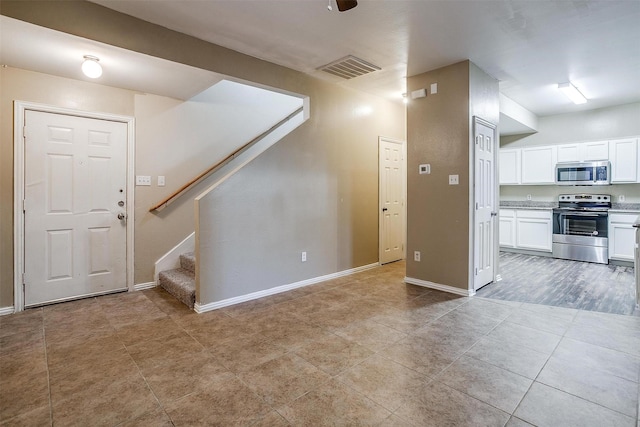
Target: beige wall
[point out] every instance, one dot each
(334, 147)
(439, 133)
(315, 192)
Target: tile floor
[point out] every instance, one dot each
(360, 350)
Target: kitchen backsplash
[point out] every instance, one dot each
(550, 193)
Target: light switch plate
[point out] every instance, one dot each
(143, 180)
(434, 88)
(454, 180)
(160, 181)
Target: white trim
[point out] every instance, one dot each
(143, 286)
(279, 289)
(19, 110)
(171, 259)
(438, 286)
(403, 144)
(4, 311)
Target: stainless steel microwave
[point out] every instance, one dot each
(584, 173)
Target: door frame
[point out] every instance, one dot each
(472, 196)
(404, 198)
(19, 111)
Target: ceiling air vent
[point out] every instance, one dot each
(349, 67)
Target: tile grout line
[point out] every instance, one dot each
(46, 357)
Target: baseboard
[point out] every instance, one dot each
(143, 286)
(438, 286)
(278, 289)
(526, 251)
(6, 310)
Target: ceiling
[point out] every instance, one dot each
(529, 46)
(30, 47)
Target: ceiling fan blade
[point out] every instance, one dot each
(346, 4)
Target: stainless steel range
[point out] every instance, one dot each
(580, 227)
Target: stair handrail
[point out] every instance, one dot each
(179, 192)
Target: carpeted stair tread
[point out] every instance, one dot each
(181, 283)
(188, 261)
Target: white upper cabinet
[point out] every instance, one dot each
(568, 153)
(598, 150)
(583, 152)
(538, 165)
(623, 154)
(509, 167)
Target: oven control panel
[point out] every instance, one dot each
(603, 198)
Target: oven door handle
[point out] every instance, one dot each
(589, 214)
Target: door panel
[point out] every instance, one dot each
(391, 201)
(75, 175)
(485, 200)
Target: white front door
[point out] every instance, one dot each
(485, 202)
(391, 200)
(75, 187)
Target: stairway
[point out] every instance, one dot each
(181, 282)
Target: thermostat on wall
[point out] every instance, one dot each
(424, 169)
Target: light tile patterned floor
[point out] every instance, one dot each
(362, 350)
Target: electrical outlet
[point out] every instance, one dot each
(621, 198)
(143, 180)
(303, 257)
(416, 256)
(160, 181)
(528, 196)
(454, 180)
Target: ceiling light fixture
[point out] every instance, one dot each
(572, 93)
(91, 67)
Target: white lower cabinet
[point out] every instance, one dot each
(526, 229)
(622, 236)
(507, 228)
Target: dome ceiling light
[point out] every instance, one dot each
(91, 67)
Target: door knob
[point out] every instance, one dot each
(121, 216)
(494, 213)
(384, 209)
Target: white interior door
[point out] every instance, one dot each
(485, 202)
(392, 173)
(75, 187)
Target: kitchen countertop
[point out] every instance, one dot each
(509, 204)
(517, 204)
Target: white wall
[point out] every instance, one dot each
(605, 123)
(602, 124)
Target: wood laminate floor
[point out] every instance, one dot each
(563, 283)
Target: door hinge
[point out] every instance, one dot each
(24, 280)
(24, 132)
(24, 205)
(476, 271)
(476, 205)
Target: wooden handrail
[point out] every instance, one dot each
(167, 201)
